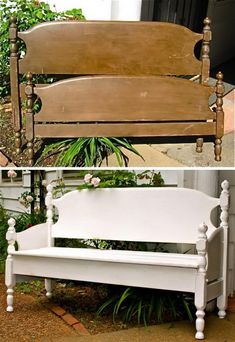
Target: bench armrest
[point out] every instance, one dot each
(215, 255)
(33, 237)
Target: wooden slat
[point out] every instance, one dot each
(131, 48)
(124, 98)
(124, 130)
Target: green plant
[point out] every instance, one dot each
(4, 216)
(121, 178)
(27, 220)
(28, 13)
(88, 151)
(147, 305)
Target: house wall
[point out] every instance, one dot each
(102, 9)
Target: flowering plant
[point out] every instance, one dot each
(11, 174)
(27, 198)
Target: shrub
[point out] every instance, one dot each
(88, 151)
(28, 13)
(147, 305)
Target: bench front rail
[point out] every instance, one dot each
(170, 215)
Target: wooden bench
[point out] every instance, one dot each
(126, 84)
(171, 215)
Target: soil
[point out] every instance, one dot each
(31, 320)
(7, 136)
(31, 306)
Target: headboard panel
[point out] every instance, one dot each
(94, 48)
(134, 214)
(123, 98)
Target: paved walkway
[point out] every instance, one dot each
(216, 330)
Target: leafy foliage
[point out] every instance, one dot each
(123, 178)
(28, 13)
(147, 305)
(88, 151)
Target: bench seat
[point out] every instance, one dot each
(119, 256)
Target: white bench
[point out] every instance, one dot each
(172, 215)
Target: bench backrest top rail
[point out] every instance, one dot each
(134, 214)
(110, 47)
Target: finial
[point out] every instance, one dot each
(13, 21)
(11, 222)
(49, 188)
(29, 77)
(219, 76)
(225, 185)
(207, 21)
(202, 229)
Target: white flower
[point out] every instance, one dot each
(29, 198)
(87, 178)
(21, 200)
(11, 174)
(44, 182)
(95, 181)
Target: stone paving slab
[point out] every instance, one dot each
(217, 330)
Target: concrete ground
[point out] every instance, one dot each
(216, 330)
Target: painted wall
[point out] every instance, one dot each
(102, 9)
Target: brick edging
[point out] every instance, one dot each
(5, 161)
(68, 319)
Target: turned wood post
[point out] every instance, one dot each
(14, 80)
(49, 214)
(200, 294)
(219, 90)
(205, 73)
(29, 118)
(224, 205)
(9, 277)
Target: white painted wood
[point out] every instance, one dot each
(114, 214)
(48, 202)
(120, 256)
(224, 204)
(200, 293)
(140, 214)
(152, 276)
(33, 237)
(230, 176)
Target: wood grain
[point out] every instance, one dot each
(124, 98)
(131, 48)
(124, 129)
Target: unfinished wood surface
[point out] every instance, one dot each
(131, 48)
(124, 129)
(123, 98)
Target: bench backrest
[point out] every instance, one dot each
(134, 214)
(117, 48)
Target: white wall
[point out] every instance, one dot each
(102, 9)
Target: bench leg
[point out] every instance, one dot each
(222, 305)
(10, 283)
(218, 149)
(199, 145)
(200, 303)
(49, 284)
